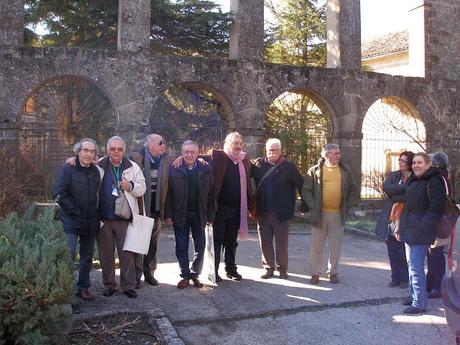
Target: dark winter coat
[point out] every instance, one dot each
(176, 199)
(75, 190)
(423, 205)
(394, 191)
(285, 180)
(218, 160)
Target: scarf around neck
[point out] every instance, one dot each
(243, 192)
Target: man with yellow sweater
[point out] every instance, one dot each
(329, 192)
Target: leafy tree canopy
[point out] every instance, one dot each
(182, 27)
(297, 35)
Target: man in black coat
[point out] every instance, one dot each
(276, 181)
(189, 207)
(76, 191)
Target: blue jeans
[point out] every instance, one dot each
(182, 235)
(415, 254)
(86, 257)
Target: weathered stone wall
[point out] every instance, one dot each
(246, 86)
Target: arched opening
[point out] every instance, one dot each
(303, 124)
(193, 111)
(55, 115)
(390, 126)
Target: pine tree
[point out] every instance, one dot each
(298, 34)
(35, 279)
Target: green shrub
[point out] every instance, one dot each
(36, 279)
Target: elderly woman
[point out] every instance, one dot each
(394, 187)
(423, 206)
(435, 257)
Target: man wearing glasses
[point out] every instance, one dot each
(330, 192)
(75, 190)
(154, 163)
(122, 176)
(276, 181)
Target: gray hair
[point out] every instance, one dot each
(189, 142)
(229, 138)
(272, 141)
(78, 145)
(150, 137)
(439, 159)
(328, 148)
(116, 138)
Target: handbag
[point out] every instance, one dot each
(122, 208)
(395, 215)
(208, 273)
(138, 234)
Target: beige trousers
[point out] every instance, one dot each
(112, 235)
(330, 228)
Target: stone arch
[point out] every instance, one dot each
(392, 124)
(303, 121)
(57, 113)
(192, 110)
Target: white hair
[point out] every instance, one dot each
(272, 141)
(78, 145)
(189, 142)
(229, 138)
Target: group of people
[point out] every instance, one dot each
(189, 192)
(415, 197)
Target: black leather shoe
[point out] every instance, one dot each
(393, 284)
(149, 279)
(414, 310)
(218, 278)
(130, 293)
(234, 276)
(109, 292)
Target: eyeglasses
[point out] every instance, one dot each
(402, 160)
(88, 151)
(116, 149)
(161, 143)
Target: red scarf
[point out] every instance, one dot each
(243, 189)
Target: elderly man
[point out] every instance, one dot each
(189, 206)
(122, 176)
(155, 164)
(75, 190)
(277, 181)
(231, 170)
(329, 192)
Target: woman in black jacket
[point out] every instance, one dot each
(394, 187)
(424, 203)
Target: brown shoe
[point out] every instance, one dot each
(284, 275)
(333, 279)
(183, 283)
(84, 295)
(197, 283)
(314, 279)
(268, 274)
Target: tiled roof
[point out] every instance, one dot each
(391, 43)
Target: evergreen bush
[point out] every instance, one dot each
(36, 279)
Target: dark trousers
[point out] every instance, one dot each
(147, 264)
(226, 225)
(436, 268)
(398, 262)
(268, 228)
(182, 235)
(86, 257)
